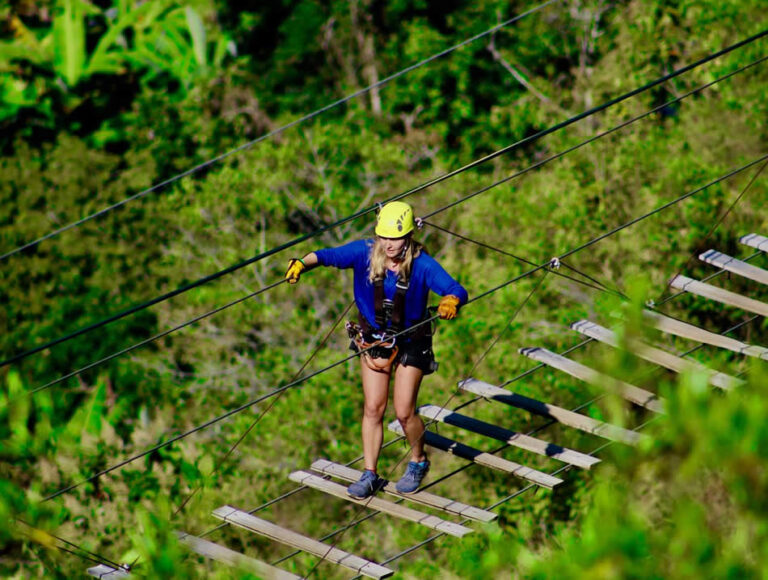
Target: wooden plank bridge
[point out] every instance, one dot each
(321, 474)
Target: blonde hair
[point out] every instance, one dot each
(378, 267)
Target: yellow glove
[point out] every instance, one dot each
(448, 307)
(295, 268)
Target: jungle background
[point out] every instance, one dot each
(101, 100)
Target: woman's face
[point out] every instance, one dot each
(393, 247)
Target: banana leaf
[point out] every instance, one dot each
(69, 54)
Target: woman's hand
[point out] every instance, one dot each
(295, 268)
(448, 307)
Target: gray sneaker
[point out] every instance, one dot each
(368, 484)
(411, 481)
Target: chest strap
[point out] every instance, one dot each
(390, 311)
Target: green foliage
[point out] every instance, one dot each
(102, 100)
(159, 43)
(156, 545)
(690, 505)
(26, 432)
(50, 188)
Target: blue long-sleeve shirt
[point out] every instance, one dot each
(426, 275)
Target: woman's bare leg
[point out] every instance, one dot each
(407, 383)
(376, 391)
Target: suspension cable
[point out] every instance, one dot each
(152, 339)
(664, 207)
(429, 320)
(596, 286)
(618, 127)
(277, 131)
(719, 221)
(80, 551)
(423, 186)
(518, 174)
(470, 464)
(272, 403)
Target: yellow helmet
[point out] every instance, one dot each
(395, 220)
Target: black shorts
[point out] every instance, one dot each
(415, 352)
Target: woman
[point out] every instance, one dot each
(392, 279)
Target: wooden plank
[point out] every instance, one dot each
(421, 497)
(104, 571)
(511, 437)
(235, 559)
(738, 267)
(568, 418)
(481, 458)
(589, 375)
(691, 332)
(382, 505)
(719, 295)
(755, 241)
(656, 355)
(250, 522)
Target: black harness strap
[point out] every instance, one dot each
(390, 311)
(397, 317)
(378, 303)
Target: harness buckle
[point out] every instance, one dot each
(388, 307)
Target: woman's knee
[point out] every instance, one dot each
(374, 410)
(405, 415)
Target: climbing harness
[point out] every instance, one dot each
(375, 344)
(390, 314)
(372, 351)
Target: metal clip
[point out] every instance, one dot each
(353, 330)
(383, 337)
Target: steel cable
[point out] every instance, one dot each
(470, 402)
(430, 183)
(480, 296)
(272, 403)
(80, 553)
(595, 286)
(277, 131)
(536, 165)
(720, 221)
(152, 339)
